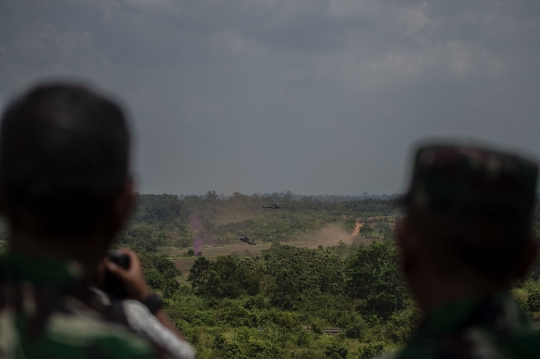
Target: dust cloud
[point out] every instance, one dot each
(329, 235)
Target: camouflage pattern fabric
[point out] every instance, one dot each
(473, 183)
(46, 311)
(490, 328)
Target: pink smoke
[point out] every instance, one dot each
(197, 246)
(199, 233)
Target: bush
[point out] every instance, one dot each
(370, 350)
(182, 325)
(242, 335)
(533, 300)
(200, 317)
(285, 319)
(257, 302)
(317, 325)
(356, 330)
(402, 324)
(303, 355)
(232, 351)
(160, 273)
(335, 351)
(225, 277)
(236, 316)
(263, 349)
(302, 339)
(219, 342)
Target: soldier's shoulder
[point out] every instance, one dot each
(98, 336)
(73, 333)
(48, 310)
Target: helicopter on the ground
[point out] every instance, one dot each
(274, 206)
(245, 239)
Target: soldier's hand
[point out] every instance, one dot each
(132, 277)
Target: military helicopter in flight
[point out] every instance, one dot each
(245, 239)
(274, 206)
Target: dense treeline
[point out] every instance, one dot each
(290, 277)
(278, 304)
(277, 196)
(168, 220)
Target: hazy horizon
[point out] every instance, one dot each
(283, 193)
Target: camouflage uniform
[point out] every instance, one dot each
(475, 184)
(490, 328)
(47, 311)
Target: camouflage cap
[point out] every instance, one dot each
(473, 182)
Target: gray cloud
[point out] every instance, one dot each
(318, 96)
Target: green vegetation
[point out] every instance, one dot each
(167, 220)
(296, 294)
(160, 273)
(280, 304)
(282, 301)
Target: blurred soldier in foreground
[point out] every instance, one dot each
(465, 240)
(65, 191)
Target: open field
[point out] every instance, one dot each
(327, 236)
(210, 252)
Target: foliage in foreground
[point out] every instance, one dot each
(289, 314)
(279, 304)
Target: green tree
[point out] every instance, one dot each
(366, 230)
(286, 292)
(370, 350)
(160, 273)
(533, 299)
(199, 274)
(373, 275)
(211, 196)
(225, 278)
(222, 282)
(335, 351)
(247, 275)
(384, 230)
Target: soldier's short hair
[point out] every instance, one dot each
(64, 155)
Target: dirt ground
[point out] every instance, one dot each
(328, 236)
(242, 249)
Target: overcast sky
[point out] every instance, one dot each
(312, 96)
